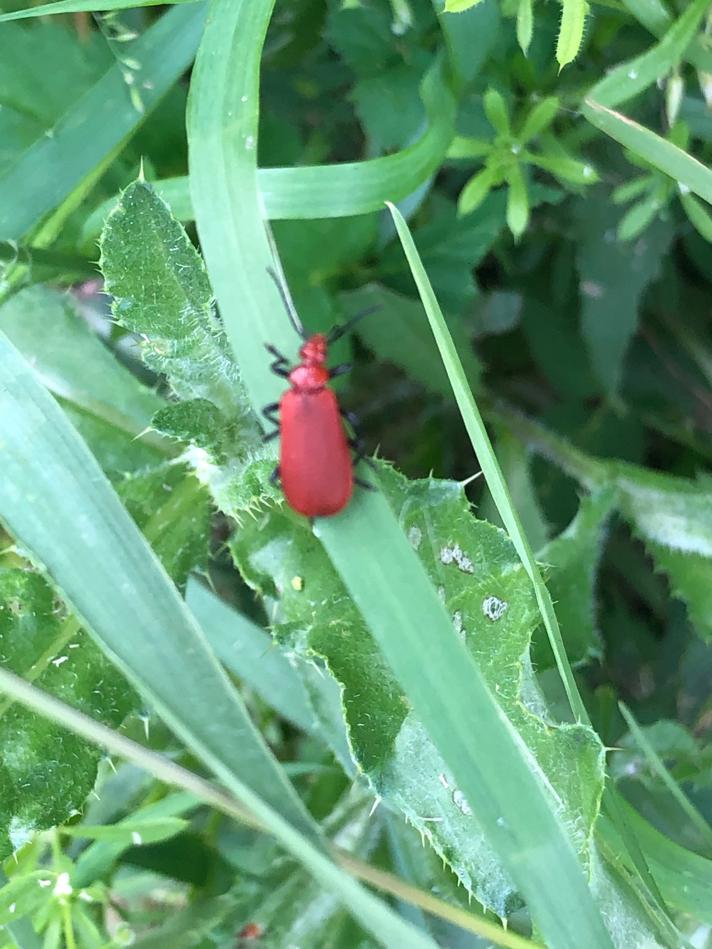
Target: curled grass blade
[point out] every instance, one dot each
(686, 170)
(389, 585)
(342, 190)
(99, 122)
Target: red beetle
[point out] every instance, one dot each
(315, 465)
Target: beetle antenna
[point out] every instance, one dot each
(336, 332)
(288, 305)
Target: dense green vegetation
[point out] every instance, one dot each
(475, 707)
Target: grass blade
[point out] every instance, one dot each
(656, 765)
(58, 503)
(391, 588)
(101, 120)
(341, 190)
(249, 653)
(688, 171)
(80, 6)
(631, 78)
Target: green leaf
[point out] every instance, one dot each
(248, 652)
(73, 363)
(517, 202)
(477, 189)
(470, 39)
(698, 215)
(573, 19)
(161, 292)
(572, 559)
(538, 119)
(389, 105)
(562, 166)
(673, 518)
(80, 6)
(497, 112)
(459, 6)
(33, 101)
(196, 422)
(655, 150)
(83, 139)
(525, 24)
(610, 272)
(25, 894)
(631, 78)
(130, 832)
(638, 217)
(396, 333)
(44, 774)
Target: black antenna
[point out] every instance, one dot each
(288, 305)
(336, 332)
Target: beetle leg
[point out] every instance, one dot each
(350, 417)
(364, 484)
(274, 478)
(270, 413)
(280, 365)
(340, 370)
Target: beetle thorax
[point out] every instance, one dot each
(311, 374)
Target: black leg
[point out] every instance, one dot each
(350, 417)
(340, 370)
(270, 412)
(364, 484)
(280, 365)
(275, 476)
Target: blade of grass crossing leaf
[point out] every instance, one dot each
(101, 119)
(665, 156)
(487, 459)
(248, 652)
(630, 78)
(80, 6)
(571, 31)
(392, 591)
(656, 765)
(58, 503)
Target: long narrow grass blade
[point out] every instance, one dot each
(686, 170)
(632, 77)
(58, 503)
(80, 6)
(389, 585)
(98, 123)
(656, 765)
(248, 652)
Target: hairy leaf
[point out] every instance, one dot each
(489, 598)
